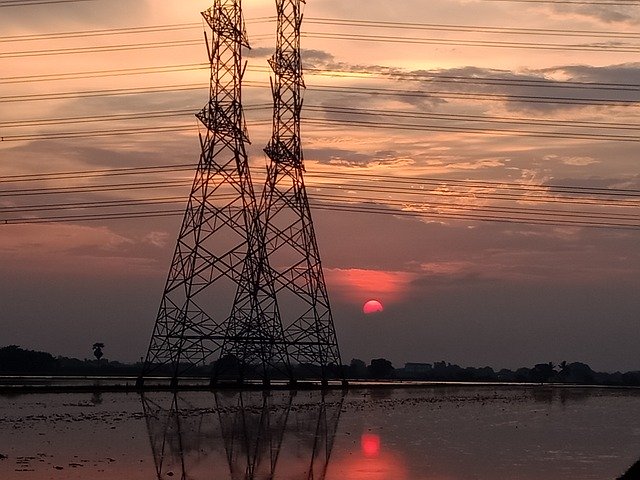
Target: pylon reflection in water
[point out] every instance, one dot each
(242, 435)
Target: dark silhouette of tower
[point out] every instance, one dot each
(219, 301)
(239, 264)
(286, 216)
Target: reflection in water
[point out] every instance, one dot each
(375, 462)
(370, 444)
(548, 394)
(96, 398)
(242, 435)
(444, 433)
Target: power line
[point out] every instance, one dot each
(97, 118)
(485, 81)
(103, 73)
(102, 93)
(328, 125)
(334, 36)
(350, 199)
(26, 3)
(474, 118)
(363, 91)
(418, 127)
(105, 172)
(499, 97)
(470, 28)
(501, 120)
(404, 179)
(90, 217)
(28, 192)
(332, 124)
(359, 90)
(473, 43)
(99, 49)
(477, 183)
(98, 133)
(115, 117)
(374, 183)
(439, 190)
(612, 225)
(96, 204)
(375, 91)
(163, 28)
(607, 47)
(395, 195)
(615, 3)
(101, 32)
(482, 218)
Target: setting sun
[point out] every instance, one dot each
(372, 306)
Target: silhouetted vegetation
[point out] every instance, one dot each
(97, 350)
(14, 359)
(18, 361)
(380, 368)
(574, 373)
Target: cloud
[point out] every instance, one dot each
(624, 73)
(607, 14)
(258, 52)
(39, 17)
(574, 160)
(338, 155)
(519, 90)
(360, 285)
(59, 238)
(157, 239)
(76, 249)
(631, 182)
(315, 58)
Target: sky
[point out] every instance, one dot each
(497, 142)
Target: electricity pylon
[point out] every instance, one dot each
(219, 302)
(286, 216)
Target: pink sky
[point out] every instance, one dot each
(472, 292)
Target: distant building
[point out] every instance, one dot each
(417, 368)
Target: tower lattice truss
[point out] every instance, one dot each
(245, 295)
(285, 213)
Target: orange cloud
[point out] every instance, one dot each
(356, 284)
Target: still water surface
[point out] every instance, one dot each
(442, 433)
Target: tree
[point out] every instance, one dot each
(381, 368)
(564, 371)
(97, 350)
(14, 359)
(357, 368)
(543, 372)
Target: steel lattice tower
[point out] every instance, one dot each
(288, 227)
(219, 300)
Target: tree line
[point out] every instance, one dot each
(15, 360)
(565, 372)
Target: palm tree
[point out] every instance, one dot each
(97, 350)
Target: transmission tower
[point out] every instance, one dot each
(284, 207)
(219, 303)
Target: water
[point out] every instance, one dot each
(443, 433)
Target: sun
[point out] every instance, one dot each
(372, 306)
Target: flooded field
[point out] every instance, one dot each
(443, 433)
